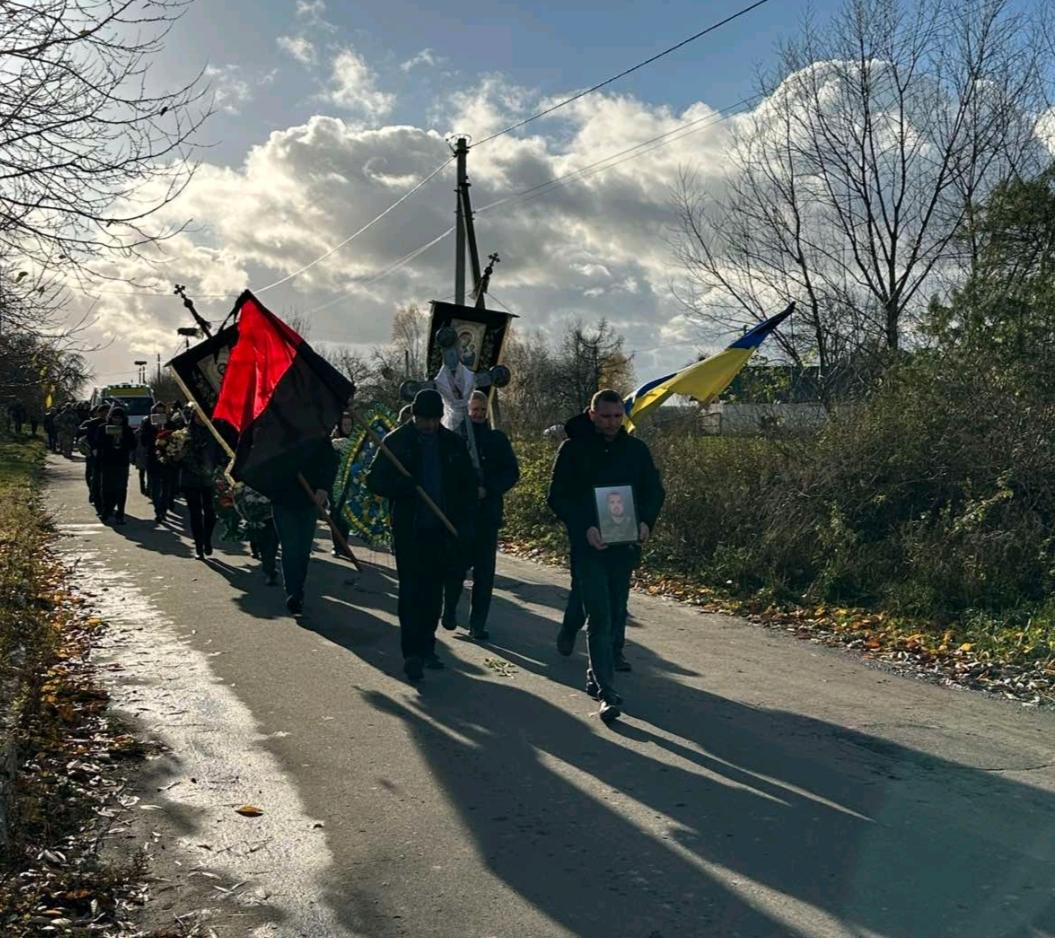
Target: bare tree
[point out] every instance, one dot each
(410, 340)
(849, 184)
(88, 149)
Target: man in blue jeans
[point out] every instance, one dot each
(604, 459)
(297, 517)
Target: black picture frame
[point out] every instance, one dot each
(485, 328)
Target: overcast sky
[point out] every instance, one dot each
(326, 114)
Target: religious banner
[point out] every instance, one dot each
(201, 368)
(481, 334)
(365, 514)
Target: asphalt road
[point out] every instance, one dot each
(758, 786)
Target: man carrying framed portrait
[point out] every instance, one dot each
(607, 491)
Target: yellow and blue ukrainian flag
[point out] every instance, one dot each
(703, 380)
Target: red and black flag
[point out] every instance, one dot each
(280, 398)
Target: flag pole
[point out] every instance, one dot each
(425, 497)
(326, 516)
(323, 514)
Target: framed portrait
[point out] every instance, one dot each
(616, 514)
(470, 341)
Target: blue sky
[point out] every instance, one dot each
(327, 112)
(551, 47)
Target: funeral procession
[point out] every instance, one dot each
(527, 471)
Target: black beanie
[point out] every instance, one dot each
(427, 403)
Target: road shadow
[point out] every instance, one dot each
(756, 823)
(718, 818)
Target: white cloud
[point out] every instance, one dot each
(230, 89)
(425, 57)
(595, 247)
(300, 47)
(353, 86)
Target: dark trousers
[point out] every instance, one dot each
(91, 479)
(111, 490)
(575, 612)
(162, 481)
(264, 542)
(202, 515)
(423, 567)
(482, 556)
(296, 533)
(604, 582)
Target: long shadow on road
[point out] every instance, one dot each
(697, 816)
(714, 817)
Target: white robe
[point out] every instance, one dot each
(455, 390)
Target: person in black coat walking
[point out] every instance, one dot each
(426, 552)
(114, 443)
(499, 472)
(198, 483)
(608, 458)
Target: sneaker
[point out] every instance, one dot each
(208, 550)
(120, 519)
(412, 668)
(566, 642)
(295, 605)
(449, 624)
(621, 664)
(433, 662)
(593, 690)
(609, 712)
(479, 635)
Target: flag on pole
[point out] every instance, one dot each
(279, 397)
(706, 379)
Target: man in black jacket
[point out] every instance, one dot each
(426, 552)
(607, 458)
(89, 432)
(499, 472)
(114, 444)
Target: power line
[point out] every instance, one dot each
(356, 234)
(624, 73)
(368, 280)
(646, 146)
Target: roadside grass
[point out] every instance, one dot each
(64, 748)
(722, 547)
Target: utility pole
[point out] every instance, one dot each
(461, 152)
(159, 369)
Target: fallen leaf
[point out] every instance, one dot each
(249, 810)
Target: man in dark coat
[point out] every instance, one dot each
(586, 466)
(499, 472)
(426, 552)
(297, 518)
(88, 432)
(114, 445)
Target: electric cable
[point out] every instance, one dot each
(355, 234)
(582, 94)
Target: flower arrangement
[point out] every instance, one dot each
(172, 445)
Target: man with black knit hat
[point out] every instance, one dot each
(426, 552)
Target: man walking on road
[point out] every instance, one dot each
(426, 552)
(589, 467)
(499, 472)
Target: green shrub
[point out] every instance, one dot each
(934, 498)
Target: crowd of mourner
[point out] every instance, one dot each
(175, 457)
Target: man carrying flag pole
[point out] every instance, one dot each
(280, 400)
